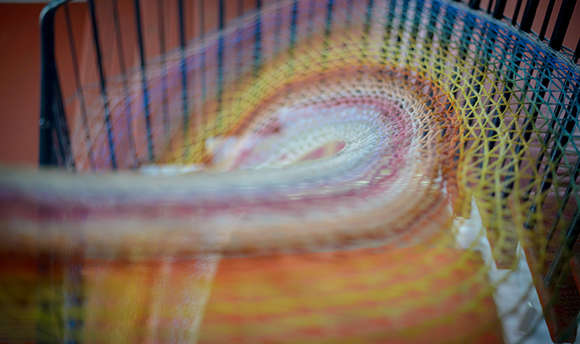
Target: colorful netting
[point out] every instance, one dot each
(313, 187)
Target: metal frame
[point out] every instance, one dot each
(54, 135)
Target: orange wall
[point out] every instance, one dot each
(19, 82)
(20, 77)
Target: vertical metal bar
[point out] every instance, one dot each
(103, 84)
(387, 30)
(220, 58)
(162, 47)
(329, 12)
(547, 16)
(327, 28)
(526, 24)
(277, 27)
(121, 56)
(498, 110)
(433, 16)
(258, 38)
(513, 64)
(562, 23)
(577, 52)
(293, 25)
(203, 54)
(183, 67)
(556, 43)
(565, 199)
(564, 135)
(489, 6)
(449, 19)
(552, 124)
(564, 249)
(221, 25)
(54, 142)
(513, 67)
(144, 86)
(529, 15)
(367, 27)
(239, 62)
(403, 21)
(416, 23)
(530, 10)
(474, 4)
(447, 29)
(495, 116)
(477, 70)
(516, 12)
(499, 9)
(83, 107)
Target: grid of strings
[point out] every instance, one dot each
(516, 101)
(487, 67)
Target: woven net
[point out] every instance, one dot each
(334, 171)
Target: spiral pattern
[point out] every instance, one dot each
(311, 185)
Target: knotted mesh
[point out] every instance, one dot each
(342, 170)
